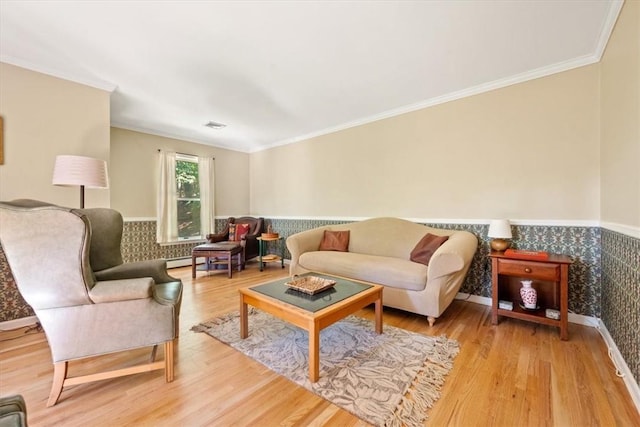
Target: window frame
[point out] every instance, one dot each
(193, 159)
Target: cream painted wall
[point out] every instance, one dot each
(45, 116)
(527, 151)
(620, 146)
(134, 163)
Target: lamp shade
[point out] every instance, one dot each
(79, 170)
(500, 229)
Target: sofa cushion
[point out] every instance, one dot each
(425, 248)
(335, 241)
(395, 272)
(390, 237)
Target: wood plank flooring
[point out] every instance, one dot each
(513, 374)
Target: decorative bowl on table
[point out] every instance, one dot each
(310, 284)
(270, 235)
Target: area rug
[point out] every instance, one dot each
(390, 379)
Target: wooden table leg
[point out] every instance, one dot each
(379, 314)
(564, 302)
(193, 266)
(229, 263)
(314, 353)
(494, 291)
(244, 319)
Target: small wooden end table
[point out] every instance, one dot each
(551, 278)
(263, 257)
(226, 251)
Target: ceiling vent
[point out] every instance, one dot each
(214, 125)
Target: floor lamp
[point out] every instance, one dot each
(82, 171)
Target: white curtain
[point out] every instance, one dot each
(206, 177)
(167, 228)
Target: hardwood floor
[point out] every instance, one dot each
(512, 374)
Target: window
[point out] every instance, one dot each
(188, 197)
(185, 203)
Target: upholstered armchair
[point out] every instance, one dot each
(48, 250)
(105, 251)
(13, 411)
(250, 242)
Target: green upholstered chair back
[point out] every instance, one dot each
(106, 228)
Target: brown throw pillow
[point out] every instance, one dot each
(425, 248)
(335, 241)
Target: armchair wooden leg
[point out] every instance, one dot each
(60, 379)
(59, 375)
(431, 320)
(168, 361)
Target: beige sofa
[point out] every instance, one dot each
(379, 252)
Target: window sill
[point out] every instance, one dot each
(184, 242)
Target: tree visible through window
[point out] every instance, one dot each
(188, 191)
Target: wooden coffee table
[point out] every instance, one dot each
(311, 313)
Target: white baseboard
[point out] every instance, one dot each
(573, 318)
(594, 322)
(621, 365)
(180, 262)
(18, 323)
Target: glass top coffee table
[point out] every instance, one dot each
(311, 312)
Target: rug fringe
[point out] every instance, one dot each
(204, 326)
(425, 389)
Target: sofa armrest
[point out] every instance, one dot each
(121, 290)
(154, 268)
(454, 254)
(305, 241)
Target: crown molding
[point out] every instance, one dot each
(95, 83)
(607, 28)
(120, 125)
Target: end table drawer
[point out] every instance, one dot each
(534, 270)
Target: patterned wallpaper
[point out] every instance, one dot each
(604, 280)
(12, 305)
(621, 295)
(582, 244)
(139, 243)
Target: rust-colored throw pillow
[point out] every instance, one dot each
(425, 248)
(335, 241)
(241, 231)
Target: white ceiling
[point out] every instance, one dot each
(281, 71)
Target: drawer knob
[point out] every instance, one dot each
(527, 270)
